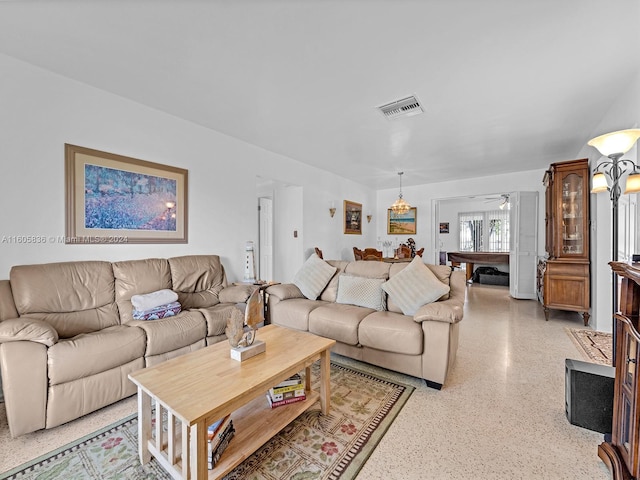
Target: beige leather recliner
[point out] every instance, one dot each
(68, 339)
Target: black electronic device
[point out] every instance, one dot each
(589, 395)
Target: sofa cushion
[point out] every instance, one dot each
(91, 353)
(167, 334)
(337, 321)
(73, 297)
(391, 332)
(368, 269)
(364, 292)
(293, 313)
(134, 277)
(313, 276)
(414, 286)
(197, 279)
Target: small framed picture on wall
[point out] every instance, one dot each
(352, 218)
(444, 227)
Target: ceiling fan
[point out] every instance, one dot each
(503, 199)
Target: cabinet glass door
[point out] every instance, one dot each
(572, 239)
(627, 394)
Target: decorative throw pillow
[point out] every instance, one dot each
(313, 276)
(361, 291)
(414, 286)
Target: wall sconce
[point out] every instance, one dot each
(332, 208)
(369, 217)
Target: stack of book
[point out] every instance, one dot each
(289, 391)
(220, 434)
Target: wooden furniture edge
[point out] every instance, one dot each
(610, 457)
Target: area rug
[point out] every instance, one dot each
(594, 346)
(313, 446)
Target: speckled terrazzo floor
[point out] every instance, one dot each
(500, 415)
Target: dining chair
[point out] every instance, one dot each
(371, 254)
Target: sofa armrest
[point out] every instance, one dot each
(236, 293)
(23, 366)
(450, 311)
(285, 291)
(27, 329)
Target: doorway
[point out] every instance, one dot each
(265, 238)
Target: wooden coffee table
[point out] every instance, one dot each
(196, 389)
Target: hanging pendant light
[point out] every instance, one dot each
(400, 207)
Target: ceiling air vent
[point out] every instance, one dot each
(402, 108)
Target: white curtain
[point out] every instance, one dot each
(484, 231)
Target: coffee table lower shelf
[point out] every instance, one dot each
(255, 424)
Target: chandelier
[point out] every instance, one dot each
(400, 207)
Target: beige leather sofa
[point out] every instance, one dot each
(68, 339)
(423, 345)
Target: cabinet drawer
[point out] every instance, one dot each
(569, 269)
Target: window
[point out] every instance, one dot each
(484, 231)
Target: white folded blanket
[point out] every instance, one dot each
(153, 299)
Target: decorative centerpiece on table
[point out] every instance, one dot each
(411, 243)
(243, 340)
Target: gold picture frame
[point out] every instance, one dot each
(404, 224)
(352, 218)
(116, 199)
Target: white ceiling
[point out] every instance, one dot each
(506, 85)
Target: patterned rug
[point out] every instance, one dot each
(594, 346)
(312, 447)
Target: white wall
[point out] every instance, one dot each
(42, 111)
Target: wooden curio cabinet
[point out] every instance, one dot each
(565, 271)
(621, 453)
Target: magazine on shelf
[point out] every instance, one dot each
(216, 453)
(294, 379)
(289, 388)
(216, 431)
(277, 397)
(287, 401)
